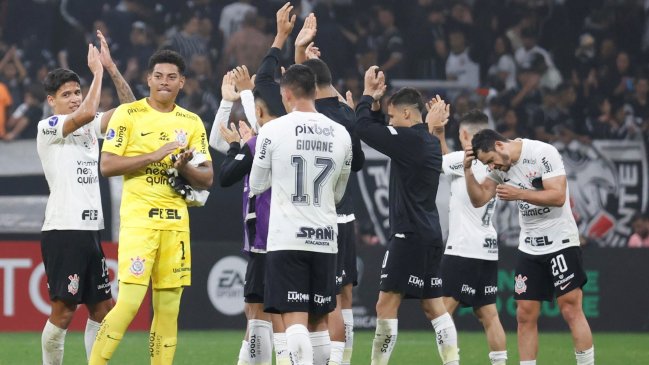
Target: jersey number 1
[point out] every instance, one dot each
(326, 165)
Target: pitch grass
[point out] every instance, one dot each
(222, 348)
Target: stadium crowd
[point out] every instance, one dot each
(552, 70)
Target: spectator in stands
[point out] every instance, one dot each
(601, 122)
(460, 66)
(640, 236)
(619, 82)
(248, 45)
(524, 55)
(526, 97)
(639, 103)
(584, 73)
(510, 126)
(106, 99)
(503, 67)
(5, 103)
(22, 123)
(197, 99)
(13, 73)
(140, 46)
(390, 45)
(233, 15)
(550, 76)
(187, 41)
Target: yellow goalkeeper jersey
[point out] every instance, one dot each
(148, 200)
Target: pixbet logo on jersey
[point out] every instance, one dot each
(314, 129)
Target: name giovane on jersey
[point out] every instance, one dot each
(314, 145)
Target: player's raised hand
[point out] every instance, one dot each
(94, 64)
(242, 80)
(228, 90)
(374, 83)
(285, 22)
(438, 114)
(164, 151)
(104, 51)
(312, 51)
(468, 157)
(507, 192)
(230, 134)
(308, 31)
(245, 131)
(349, 98)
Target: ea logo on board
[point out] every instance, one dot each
(110, 134)
(225, 285)
(53, 121)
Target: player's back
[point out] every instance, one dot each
(309, 152)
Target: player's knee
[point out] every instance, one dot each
(526, 315)
(98, 312)
(62, 314)
(571, 312)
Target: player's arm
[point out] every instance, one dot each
(260, 174)
(238, 161)
(230, 95)
(305, 37)
(112, 164)
(437, 118)
(479, 193)
(199, 177)
(343, 178)
(553, 193)
(244, 84)
(86, 111)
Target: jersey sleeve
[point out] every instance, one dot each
(453, 163)
(495, 176)
(263, 149)
(118, 132)
(96, 124)
(50, 130)
(551, 162)
(198, 140)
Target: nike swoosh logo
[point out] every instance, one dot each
(506, 180)
(145, 134)
(107, 291)
(564, 286)
(112, 338)
(169, 345)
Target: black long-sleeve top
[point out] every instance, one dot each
(266, 85)
(342, 114)
(414, 174)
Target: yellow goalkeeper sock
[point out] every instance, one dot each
(164, 329)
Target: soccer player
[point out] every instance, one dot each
(306, 158)
(341, 325)
(411, 261)
(469, 268)
(549, 260)
(154, 232)
(69, 151)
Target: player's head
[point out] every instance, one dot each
(298, 82)
(166, 75)
(404, 107)
(63, 88)
(321, 71)
(640, 225)
(491, 148)
(263, 111)
(471, 123)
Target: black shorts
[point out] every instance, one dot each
(412, 269)
(75, 266)
(346, 272)
(300, 281)
(253, 289)
(541, 277)
(472, 282)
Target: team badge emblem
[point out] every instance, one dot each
(137, 266)
(181, 137)
(73, 287)
(520, 287)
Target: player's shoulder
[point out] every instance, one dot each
(454, 157)
(52, 121)
(134, 108)
(186, 116)
(536, 146)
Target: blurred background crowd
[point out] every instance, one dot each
(554, 70)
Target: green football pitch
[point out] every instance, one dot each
(222, 348)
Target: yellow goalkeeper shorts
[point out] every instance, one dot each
(162, 256)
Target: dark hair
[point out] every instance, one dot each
(321, 71)
(474, 117)
(407, 96)
(167, 56)
(485, 141)
(56, 78)
(300, 80)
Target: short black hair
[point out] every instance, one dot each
(300, 80)
(407, 96)
(56, 78)
(485, 141)
(167, 56)
(474, 117)
(321, 71)
(261, 98)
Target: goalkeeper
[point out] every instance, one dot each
(154, 228)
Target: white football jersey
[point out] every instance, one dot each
(306, 154)
(70, 165)
(543, 229)
(471, 232)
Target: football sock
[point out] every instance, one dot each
(586, 357)
(52, 344)
(260, 339)
(385, 338)
(528, 362)
(348, 318)
(89, 336)
(163, 336)
(446, 339)
(299, 345)
(244, 353)
(321, 343)
(337, 349)
(281, 351)
(116, 322)
(498, 357)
